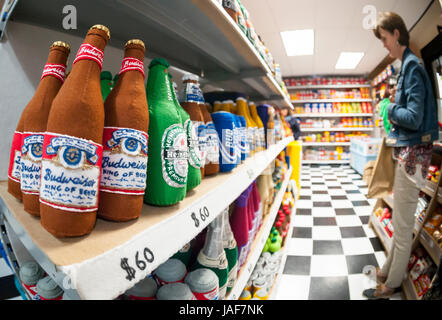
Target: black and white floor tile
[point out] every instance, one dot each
(8, 290)
(331, 241)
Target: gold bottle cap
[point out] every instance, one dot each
(101, 27)
(135, 41)
(61, 44)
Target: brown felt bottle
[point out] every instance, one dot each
(35, 118)
(72, 147)
(211, 166)
(14, 170)
(125, 140)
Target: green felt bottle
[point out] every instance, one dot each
(231, 250)
(167, 166)
(194, 161)
(106, 83)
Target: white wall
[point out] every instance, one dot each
(23, 53)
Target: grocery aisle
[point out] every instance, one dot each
(331, 241)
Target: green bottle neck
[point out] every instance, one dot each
(158, 85)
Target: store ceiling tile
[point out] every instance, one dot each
(338, 26)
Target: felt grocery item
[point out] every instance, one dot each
(167, 167)
(383, 112)
(184, 254)
(72, 150)
(190, 101)
(244, 143)
(194, 157)
(231, 250)
(125, 140)
(35, 119)
(237, 137)
(381, 183)
(240, 225)
(212, 143)
(213, 256)
(252, 127)
(258, 121)
(224, 125)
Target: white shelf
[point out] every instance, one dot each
(381, 233)
(430, 245)
(329, 86)
(332, 115)
(325, 144)
(334, 129)
(92, 260)
(330, 100)
(259, 242)
(197, 36)
(325, 161)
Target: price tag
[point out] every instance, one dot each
(141, 260)
(199, 215)
(250, 173)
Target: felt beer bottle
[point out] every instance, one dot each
(194, 160)
(191, 101)
(35, 123)
(252, 128)
(124, 166)
(231, 250)
(212, 142)
(14, 170)
(72, 149)
(168, 152)
(257, 119)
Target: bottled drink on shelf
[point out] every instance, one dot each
(30, 273)
(167, 167)
(191, 103)
(194, 157)
(184, 254)
(72, 150)
(212, 144)
(231, 250)
(237, 138)
(48, 289)
(106, 83)
(252, 127)
(175, 291)
(35, 118)
(224, 124)
(171, 271)
(243, 140)
(204, 284)
(125, 140)
(217, 106)
(257, 119)
(212, 256)
(146, 289)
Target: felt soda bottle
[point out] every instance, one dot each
(211, 166)
(35, 118)
(168, 152)
(252, 128)
(257, 119)
(72, 147)
(191, 103)
(239, 221)
(231, 249)
(125, 139)
(212, 256)
(224, 125)
(194, 160)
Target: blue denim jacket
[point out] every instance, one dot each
(414, 113)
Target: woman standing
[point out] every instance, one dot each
(413, 116)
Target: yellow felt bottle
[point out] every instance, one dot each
(252, 128)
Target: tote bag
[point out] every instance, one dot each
(381, 183)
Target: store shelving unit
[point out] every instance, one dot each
(332, 115)
(127, 252)
(330, 100)
(381, 233)
(329, 86)
(197, 36)
(325, 161)
(325, 144)
(259, 242)
(335, 129)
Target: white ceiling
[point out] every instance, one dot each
(338, 27)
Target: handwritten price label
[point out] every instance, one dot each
(200, 214)
(250, 173)
(141, 261)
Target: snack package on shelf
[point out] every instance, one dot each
(421, 270)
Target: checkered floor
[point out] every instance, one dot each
(7, 286)
(331, 240)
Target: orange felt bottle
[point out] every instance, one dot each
(72, 147)
(35, 118)
(125, 140)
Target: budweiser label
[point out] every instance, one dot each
(191, 93)
(32, 152)
(202, 140)
(71, 169)
(192, 142)
(129, 64)
(212, 144)
(15, 158)
(124, 161)
(174, 156)
(56, 70)
(227, 147)
(88, 51)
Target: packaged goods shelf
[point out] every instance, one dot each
(325, 161)
(430, 245)
(381, 233)
(285, 250)
(439, 195)
(332, 115)
(197, 36)
(430, 188)
(329, 86)
(259, 242)
(111, 250)
(389, 201)
(409, 289)
(330, 100)
(334, 129)
(325, 144)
